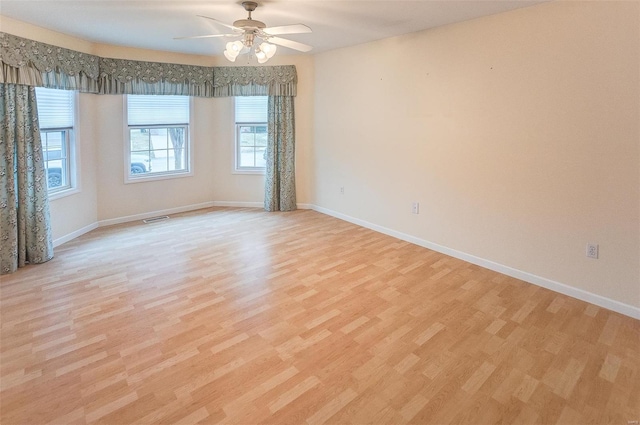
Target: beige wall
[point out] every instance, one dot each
(518, 134)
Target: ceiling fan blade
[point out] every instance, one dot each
(287, 29)
(205, 36)
(221, 23)
(290, 44)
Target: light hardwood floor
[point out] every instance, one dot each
(239, 316)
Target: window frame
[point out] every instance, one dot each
(237, 169)
(71, 149)
(172, 174)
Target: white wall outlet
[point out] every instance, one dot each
(341, 190)
(592, 250)
(415, 208)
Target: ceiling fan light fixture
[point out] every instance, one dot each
(265, 51)
(261, 56)
(252, 32)
(233, 49)
(235, 46)
(230, 56)
(268, 49)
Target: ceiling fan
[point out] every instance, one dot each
(250, 29)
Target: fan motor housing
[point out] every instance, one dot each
(249, 23)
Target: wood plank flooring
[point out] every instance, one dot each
(238, 316)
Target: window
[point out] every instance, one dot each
(56, 111)
(158, 137)
(251, 133)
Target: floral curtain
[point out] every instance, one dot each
(25, 235)
(280, 185)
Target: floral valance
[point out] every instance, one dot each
(33, 63)
(255, 80)
(131, 77)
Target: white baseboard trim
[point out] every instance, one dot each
(75, 234)
(142, 216)
(599, 300)
(238, 204)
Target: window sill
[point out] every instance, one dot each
(63, 193)
(259, 172)
(149, 178)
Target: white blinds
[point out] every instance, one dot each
(251, 109)
(55, 108)
(157, 110)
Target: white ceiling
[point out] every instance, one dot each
(152, 24)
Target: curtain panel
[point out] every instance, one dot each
(280, 170)
(25, 228)
(38, 64)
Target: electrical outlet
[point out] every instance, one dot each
(341, 190)
(592, 250)
(415, 208)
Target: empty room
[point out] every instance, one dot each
(319, 212)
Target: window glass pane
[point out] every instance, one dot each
(247, 138)
(261, 157)
(247, 158)
(55, 179)
(159, 138)
(261, 138)
(177, 148)
(159, 160)
(55, 157)
(139, 138)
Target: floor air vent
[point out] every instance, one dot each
(155, 219)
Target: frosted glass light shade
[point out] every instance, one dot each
(268, 49)
(264, 51)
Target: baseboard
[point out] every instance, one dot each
(75, 234)
(599, 300)
(238, 204)
(142, 216)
